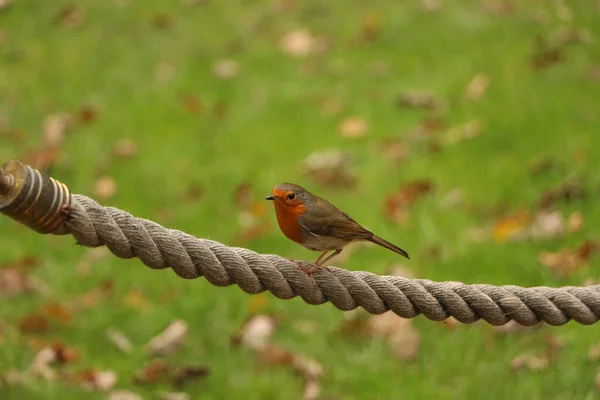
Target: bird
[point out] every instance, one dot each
(318, 225)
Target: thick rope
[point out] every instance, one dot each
(127, 236)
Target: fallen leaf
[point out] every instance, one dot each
(465, 131)
(299, 43)
(174, 396)
(511, 227)
(452, 199)
(575, 222)
(566, 261)
(120, 394)
(54, 311)
(91, 298)
(512, 327)
(568, 191)
(226, 69)
(13, 282)
(594, 353)
(4, 4)
(403, 339)
(532, 362)
(545, 54)
(431, 5)
(330, 168)
(193, 105)
(98, 380)
(87, 114)
(183, 375)
(119, 339)
(396, 205)
(255, 332)
(54, 129)
(125, 148)
(153, 372)
(170, 339)
(415, 99)
(40, 366)
(243, 194)
(135, 299)
(72, 16)
(477, 86)
(353, 127)
(105, 188)
(33, 324)
(547, 225)
(371, 27)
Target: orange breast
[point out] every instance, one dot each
(287, 218)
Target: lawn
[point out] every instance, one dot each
(458, 123)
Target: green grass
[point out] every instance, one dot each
(272, 122)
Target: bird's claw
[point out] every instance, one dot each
(309, 268)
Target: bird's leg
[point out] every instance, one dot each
(320, 264)
(321, 256)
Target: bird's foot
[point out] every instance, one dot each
(309, 268)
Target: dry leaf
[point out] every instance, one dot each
(226, 69)
(532, 362)
(416, 99)
(54, 129)
(125, 148)
(33, 324)
(170, 339)
(512, 327)
(567, 191)
(193, 105)
(452, 199)
(40, 365)
(403, 339)
(431, 5)
(330, 168)
(477, 87)
(594, 352)
(511, 227)
(396, 204)
(119, 339)
(87, 114)
(99, 380)
(4, 4)
(566, 261)
(160, 371)
(299, 43)
(13, 282)
(371, 27)
(183, 375)
(174, 396)
(548, 225)
(120, 394)
(465, 131)
(72, 16)
(353, 127)
(243, 194)
(575, 222)
(54, 311)
(105, 188)
(91, 298)
(255, 332)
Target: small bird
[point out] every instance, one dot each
(318, 225)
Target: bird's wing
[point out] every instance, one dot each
(327, 220)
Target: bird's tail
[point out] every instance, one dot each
(388, 245)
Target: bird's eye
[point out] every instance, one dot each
(291, 196)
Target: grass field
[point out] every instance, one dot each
(216, 95)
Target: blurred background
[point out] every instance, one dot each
(466, 132)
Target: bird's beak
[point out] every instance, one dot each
(271, 197)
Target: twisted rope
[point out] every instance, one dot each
(127, 236)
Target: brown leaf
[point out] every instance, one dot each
(575, 222)
(33, 324)
(353, 127)
(548, 225)
(87, 115)
(91, 298)
(72, 16)
(183, 375)
(170, 339)
(14, 282)
(464, 131)
(255, 332)
(243, 194)
(193, 105)
(431, 5)
(299, 43)
(568, 191)
(532, 362)
(414, 99)
(403, 339)
(477, 86)
(120, 394)
(57, 312)
(119, 339)
(41, 364)
(371, 27)
(54, 129)
(105, 188)
(512, 327)
(511, 227)
(125, 148)
(330, 168)
(226, 69)
(98, 380)
(566, 261)
(4, 4)
(594, 352)
(64, 354)
(545, 54)
(397, 204)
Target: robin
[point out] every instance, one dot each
(318, 225)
